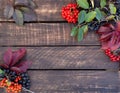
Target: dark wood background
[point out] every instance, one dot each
(60, 63)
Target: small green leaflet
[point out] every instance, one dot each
(102, 3)
(1, 71)
(81, 31)
(90, 16)
(25, 9)
(74, 31)
(8, 11)
(112, 9)
(18, 17)
(85, 29)
(81, 16)
(32, 4)
(83, 4)
(80, 34)
(99, 15)
(111, 17)
(103, 13)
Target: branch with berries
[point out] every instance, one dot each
(13, 72)
(103, 19)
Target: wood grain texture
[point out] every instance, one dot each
(67, 58)
(75, 81)
(42, 34)
(48, 10)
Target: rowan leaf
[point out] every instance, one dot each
(1, 74)
(1, 71)
(99, 15)
(83, 4)
(18, 17)
(81, 16)
(111, 17)
(90, 16)
(112, 9)
(74, 31)
(85, 29)
(30, 16)
(8, 11)
(21, 2)
(32, 4)
(103, 3)
(25, 9)
(80, 34)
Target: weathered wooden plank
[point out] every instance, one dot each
(67, 58)
(42, 34)
(75, 81)
(48, 10)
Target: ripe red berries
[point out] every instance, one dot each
(70, 13)
(112, 56)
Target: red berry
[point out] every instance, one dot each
(111, 55)
(70, 13)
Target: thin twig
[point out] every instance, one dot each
(27, 90)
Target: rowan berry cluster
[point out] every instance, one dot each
(70, 13)
(112, 56)
(11, 87)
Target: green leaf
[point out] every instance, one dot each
(74, 31)
(8, 11)
(81, 16)
(85, 29)
(90, 16)
(111, 17)
(99, 15)
(103, 13)
(81, 31)
(1, 71)
(18, 17)
(80, 34)
(83, 3)
(25, 9)
(112, 9)
(103, 3)
(32, 4)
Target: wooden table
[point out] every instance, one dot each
(60, 63)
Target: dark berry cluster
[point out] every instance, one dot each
(25, 80)
(70, 13)
(112, 56)
(94, 26)
(118, 12)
